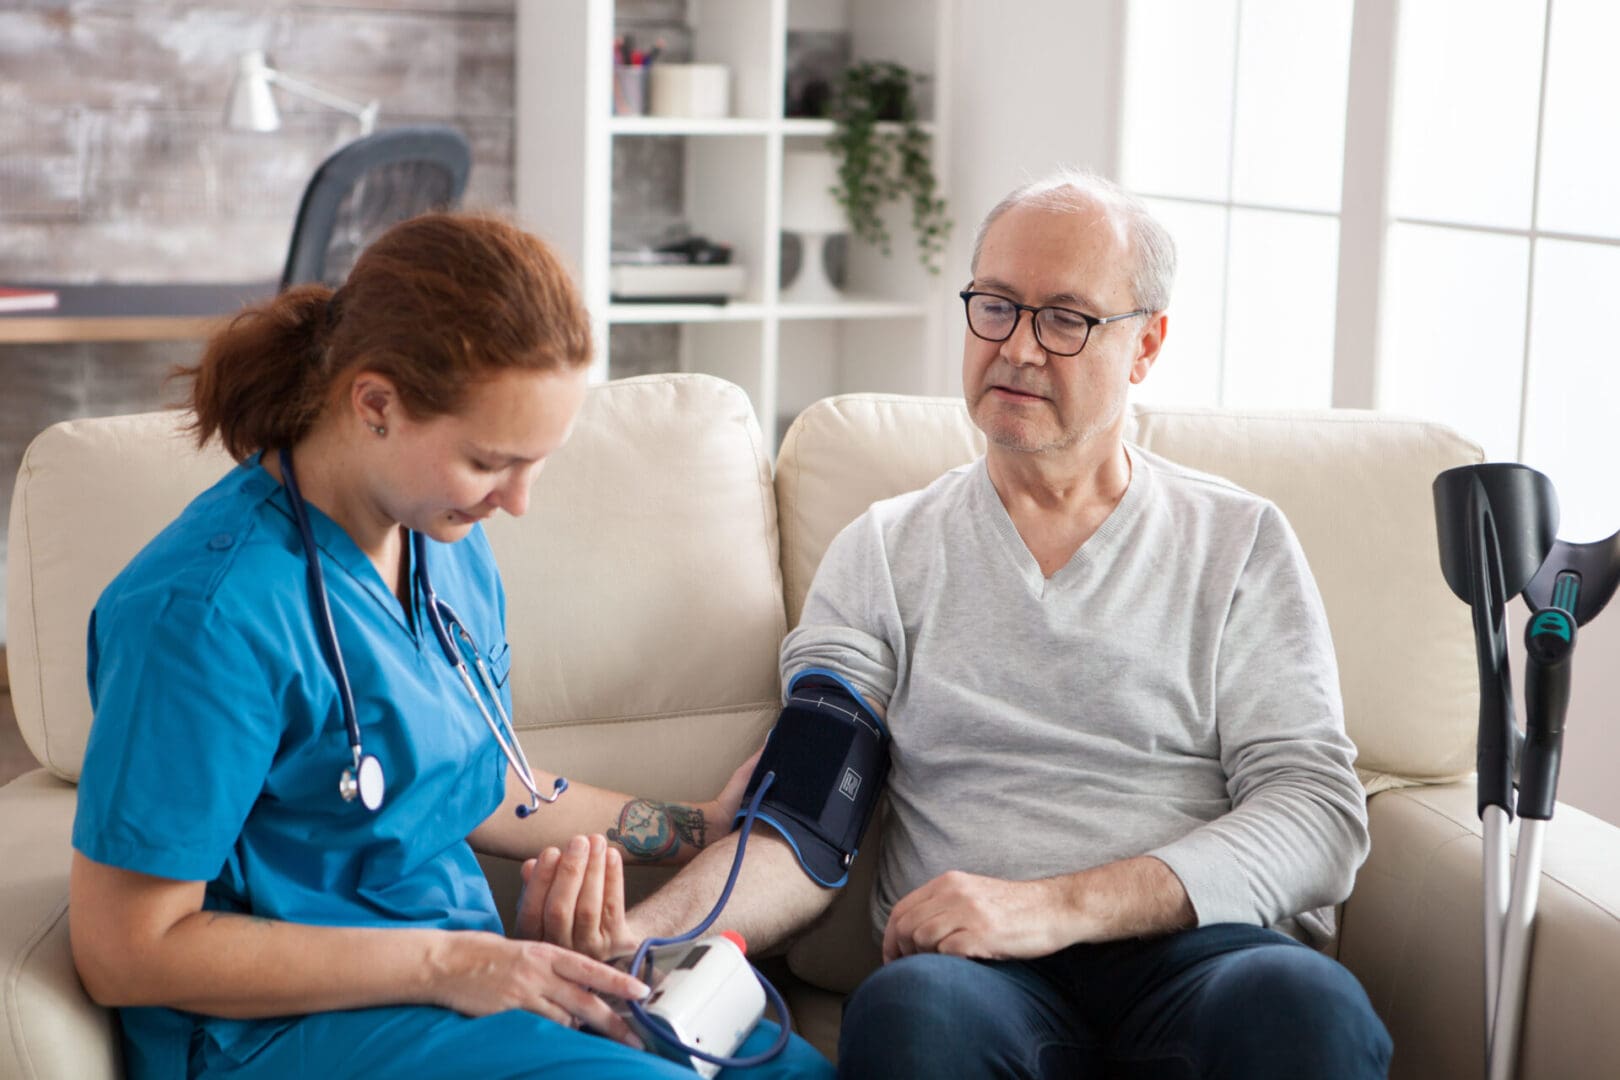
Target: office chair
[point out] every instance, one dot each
(372, 183)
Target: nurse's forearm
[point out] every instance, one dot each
(140, 940)
(244, 967)
(646, 830)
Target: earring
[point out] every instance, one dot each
(378, 430)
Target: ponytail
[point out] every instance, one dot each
(260, 382)
(435, 304)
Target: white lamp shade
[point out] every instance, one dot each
(251, 107)
(808, 203)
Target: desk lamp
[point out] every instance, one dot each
(251, 106)
(810, 210)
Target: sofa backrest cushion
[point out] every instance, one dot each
(90, 494)
(643, 583)
(1354, 485)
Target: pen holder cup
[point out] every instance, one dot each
(629, 90)
(695, 91)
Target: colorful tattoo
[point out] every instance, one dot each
(651, 831)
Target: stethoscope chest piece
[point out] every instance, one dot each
(366, 783)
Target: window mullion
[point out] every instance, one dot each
(1231, 173)
(1535, 226)
(1364, 203)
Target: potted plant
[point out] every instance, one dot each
(876, 166)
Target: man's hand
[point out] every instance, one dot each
(962, 914)
(575, 898)
(721, 811)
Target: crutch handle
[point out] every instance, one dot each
(1549, 647)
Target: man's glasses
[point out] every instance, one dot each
(1060, 331)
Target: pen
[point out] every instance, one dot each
(657, 50)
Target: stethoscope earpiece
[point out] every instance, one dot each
(535, 798)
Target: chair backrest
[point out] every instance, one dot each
(372, 183)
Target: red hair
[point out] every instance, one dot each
(434, 304)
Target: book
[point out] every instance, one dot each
(26, 299)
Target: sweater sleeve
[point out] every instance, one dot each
(851, 623)
(1297, 830)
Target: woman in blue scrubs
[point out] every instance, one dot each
(247, 919)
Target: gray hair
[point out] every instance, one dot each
(1070, 190)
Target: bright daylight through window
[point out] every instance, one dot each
(1499, 240)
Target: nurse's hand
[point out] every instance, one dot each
(478, 974)
(574, 898)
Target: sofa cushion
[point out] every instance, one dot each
(50, 1028)
(1417, 909)
(643, 587)
(644, 591)
(89, 495)
(1406, 661)
(1404, 641)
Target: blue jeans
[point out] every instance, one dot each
(1219, 1001)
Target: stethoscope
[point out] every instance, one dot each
(364, 779)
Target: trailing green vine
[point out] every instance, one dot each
(875, 167)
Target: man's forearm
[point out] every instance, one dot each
(1138, 897)
(773, 897)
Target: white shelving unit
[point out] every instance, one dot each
(885, 335)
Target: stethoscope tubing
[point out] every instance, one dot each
(639, 961)
(443, 619)
(326, 627)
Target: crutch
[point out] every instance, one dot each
(1497, 526)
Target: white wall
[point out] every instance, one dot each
(1592, 742)
(1035, 85)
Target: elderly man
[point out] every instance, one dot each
(1119, 764)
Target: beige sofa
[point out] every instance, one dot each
(650, 584)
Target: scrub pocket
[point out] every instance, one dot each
(500, 663)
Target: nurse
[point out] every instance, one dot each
(245, 917)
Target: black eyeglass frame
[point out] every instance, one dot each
(1091, 321)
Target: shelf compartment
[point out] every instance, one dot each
(854, 308)
(684, 313)
(802, 128)
(680, 125)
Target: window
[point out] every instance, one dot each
(1456, 263)
(1233, 129)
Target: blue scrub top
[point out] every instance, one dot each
(218, 737)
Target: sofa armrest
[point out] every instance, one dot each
(1413, 933)
(51, 1027)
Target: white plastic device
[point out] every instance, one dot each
(707, 994)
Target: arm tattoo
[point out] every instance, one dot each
(651, 831)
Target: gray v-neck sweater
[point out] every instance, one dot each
(1171, 691)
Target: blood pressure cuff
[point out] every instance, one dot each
(830, 754)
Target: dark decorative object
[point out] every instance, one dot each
(834, 259)
(878, 166)
(814, 59)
